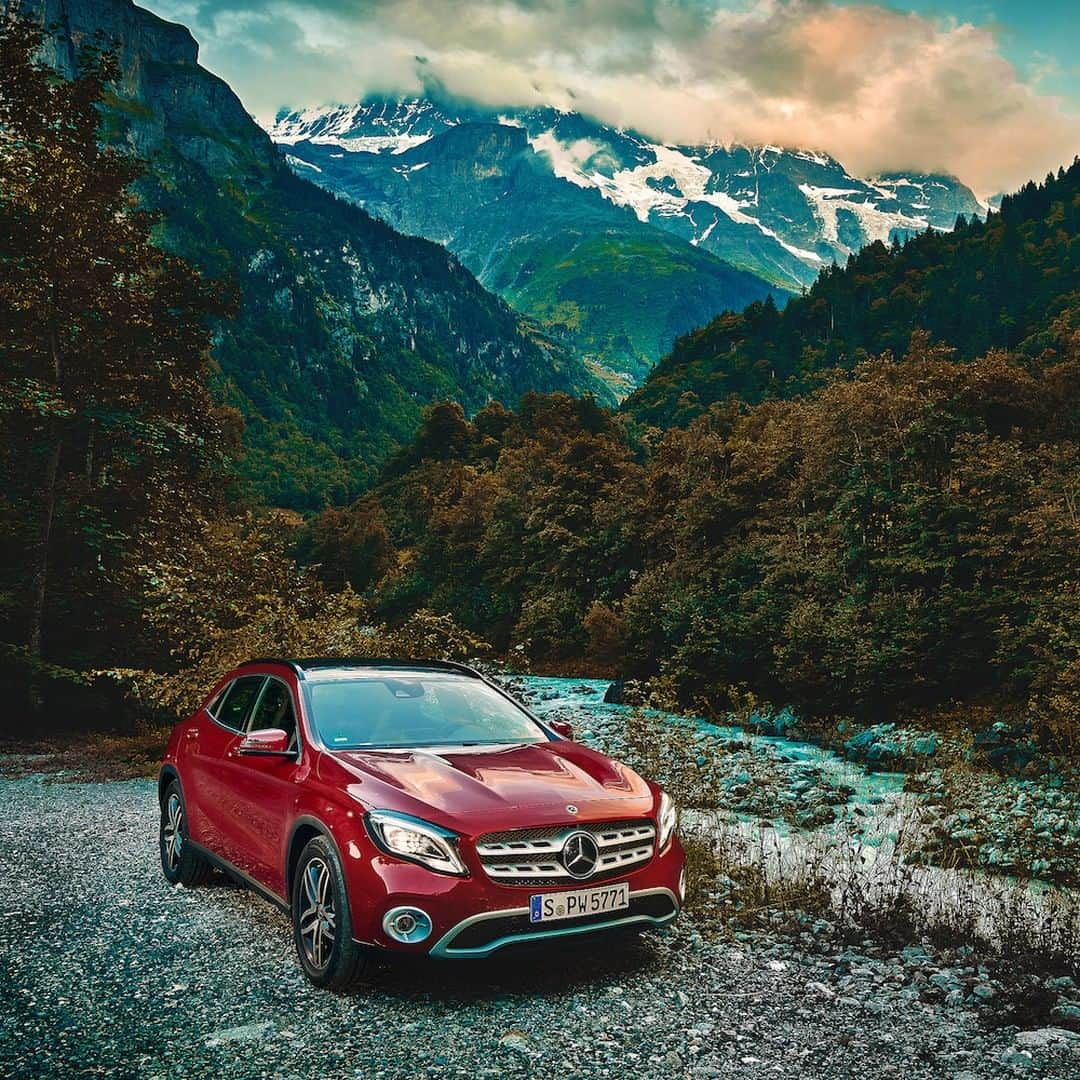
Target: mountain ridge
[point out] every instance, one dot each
(616, 289)
(668, 184)
(582, 208)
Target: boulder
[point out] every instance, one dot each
(613, 695)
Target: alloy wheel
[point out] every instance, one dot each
(172, 837)
(318, 917)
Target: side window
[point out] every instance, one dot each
(215, 702)
(275, 710)
(233, 710)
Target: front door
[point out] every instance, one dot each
(264, 790)
(212, 807)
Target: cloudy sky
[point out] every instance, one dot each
(987, 90)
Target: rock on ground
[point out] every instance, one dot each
(107, 971)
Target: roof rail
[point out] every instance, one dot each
(311, 663)
(293, 664)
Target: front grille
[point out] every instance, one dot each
(479, 934)
(532, 856)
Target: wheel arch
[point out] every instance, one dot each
(305, 829)
(167, 775)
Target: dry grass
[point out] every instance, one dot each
(744, 875)
(729, 886)
(668, 753)
(98, 758)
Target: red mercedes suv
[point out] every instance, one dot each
(410, 806)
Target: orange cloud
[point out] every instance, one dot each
(877, 88)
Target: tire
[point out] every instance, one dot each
(180, 862)
(322, 927)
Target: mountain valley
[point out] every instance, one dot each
(613, 242)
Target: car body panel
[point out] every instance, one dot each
(252, 813)
(202, 768)
(503, 787)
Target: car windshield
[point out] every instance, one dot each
(417, 710)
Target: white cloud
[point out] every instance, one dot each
(877, 88)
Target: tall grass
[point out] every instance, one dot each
(859, 875)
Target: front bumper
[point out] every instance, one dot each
(481, 935)
(475, 916)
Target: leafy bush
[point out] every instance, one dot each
(237, 595)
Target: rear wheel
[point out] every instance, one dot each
(322, 928)
(180, 862)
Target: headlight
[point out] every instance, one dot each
(415, 840)
(666, 819)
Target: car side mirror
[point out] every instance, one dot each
(562, 727)
(267, 742)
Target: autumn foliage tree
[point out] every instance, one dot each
(900, 540)
(108, 439)
(238, 593)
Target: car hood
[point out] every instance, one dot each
(540, 779)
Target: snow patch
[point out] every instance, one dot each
(370, 144)
(300, 163)
(876, 224)
(405, 170)
(812, 155)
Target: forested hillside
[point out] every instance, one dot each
(341, 329)
(126, 539)
(994, 284)
(898, 537)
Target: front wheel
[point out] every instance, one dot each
(322, 928)
(180, 862)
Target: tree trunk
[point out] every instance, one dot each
(40, 564)
(41, 561)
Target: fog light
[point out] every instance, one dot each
(408, 925)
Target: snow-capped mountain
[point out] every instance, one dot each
(450, 173)
(807, 202)
(371, 128)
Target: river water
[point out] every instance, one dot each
(862, 850)
(582, 700)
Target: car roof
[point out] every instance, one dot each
(336, 667)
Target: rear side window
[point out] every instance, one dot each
(233, 710)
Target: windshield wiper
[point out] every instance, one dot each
(430, 745)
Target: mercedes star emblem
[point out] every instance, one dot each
(580, 855)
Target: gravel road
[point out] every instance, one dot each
(106, 971)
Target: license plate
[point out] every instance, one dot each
(552, 906)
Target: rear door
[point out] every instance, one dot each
(207, 786)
